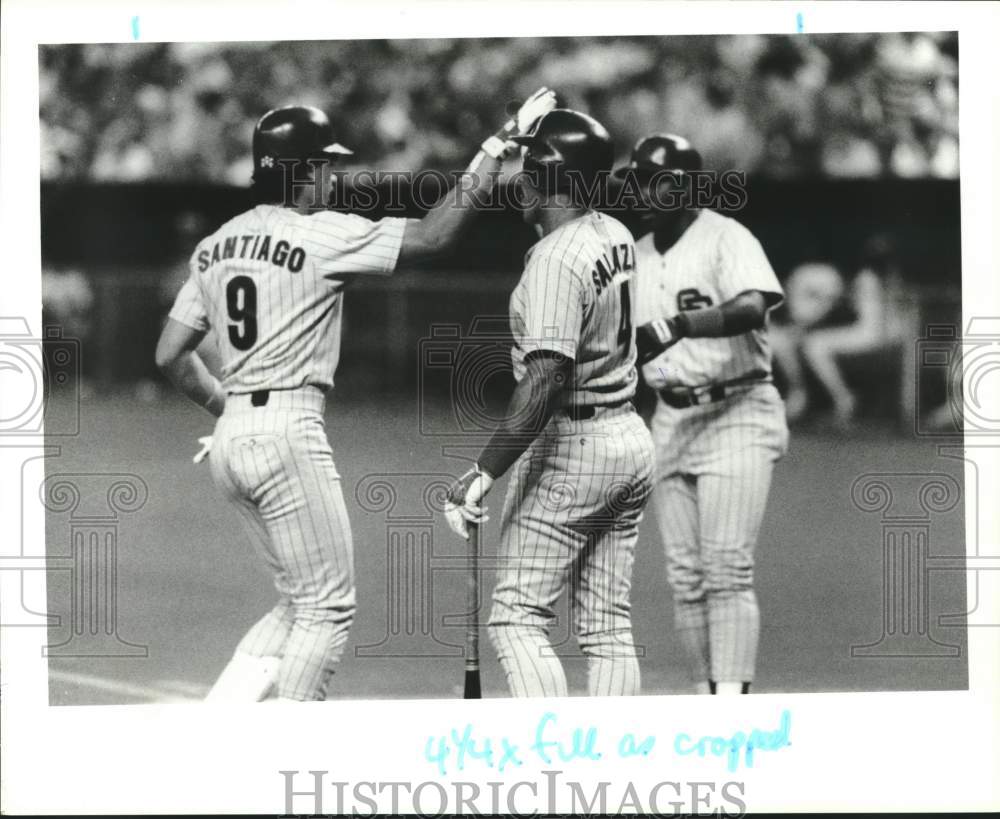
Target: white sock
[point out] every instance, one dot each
(246, 678)
(729, 688)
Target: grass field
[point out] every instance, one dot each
(189, 585)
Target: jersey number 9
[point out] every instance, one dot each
(241, 301)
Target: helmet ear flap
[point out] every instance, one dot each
(546, 176)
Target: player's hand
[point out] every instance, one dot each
(464, 503)
(653, 338)
(206, 447)
(536, 106)
(533, 108)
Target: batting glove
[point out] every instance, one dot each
(206, 447)
(464, 503)
(532, 109)
(653, 338)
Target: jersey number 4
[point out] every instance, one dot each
(241, 302)
(625, 325)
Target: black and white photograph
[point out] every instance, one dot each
(542, 369)
(752, 238)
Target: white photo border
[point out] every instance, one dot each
(881, 751)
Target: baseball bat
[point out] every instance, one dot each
(473, 690)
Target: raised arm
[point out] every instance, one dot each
(439, 229)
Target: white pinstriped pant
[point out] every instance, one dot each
(571, 518)
(275, 464)
(714, 465)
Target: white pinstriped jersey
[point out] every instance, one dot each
(715, 260)
(575, 298)
(269, 282)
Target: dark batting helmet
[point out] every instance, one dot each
(661, 152)
(296, 132)
(567, 141)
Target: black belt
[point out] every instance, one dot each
(684, 397)
(259, 398)
(590, 410)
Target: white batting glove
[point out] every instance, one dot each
(206, 447)
(465, 497)
(533, 108)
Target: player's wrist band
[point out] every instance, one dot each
(495, 146)
(665, 331)
(709, 322)
(497, 457)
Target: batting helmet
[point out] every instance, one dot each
(661, 152)
(294, 132)
(568, 141)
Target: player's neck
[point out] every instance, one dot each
(665, 236)
(553, 218)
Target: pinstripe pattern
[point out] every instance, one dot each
(276, 466)
(556, 306)
(571, 519)
(713, 461)
(274, 463)
(719, 258)
(299, 311)
(576, 496)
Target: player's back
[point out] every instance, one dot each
(269, 284)
(576, 296)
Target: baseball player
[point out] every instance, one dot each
(271, 281)
(581, 455)
(704, 288)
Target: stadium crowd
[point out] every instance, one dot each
(854, 105)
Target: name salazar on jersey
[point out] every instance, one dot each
(606, 270)
(255, 248)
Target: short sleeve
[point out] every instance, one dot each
(344, 244)
(553, 303)
(189, 306)
(743, 266)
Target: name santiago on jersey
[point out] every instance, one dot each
(283, 254)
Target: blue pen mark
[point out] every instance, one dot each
(628, 745)
(800, 24)
(740, 747)
(135, 27)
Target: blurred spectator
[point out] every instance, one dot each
(68, 302)
(844, 104)
(813, 337)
